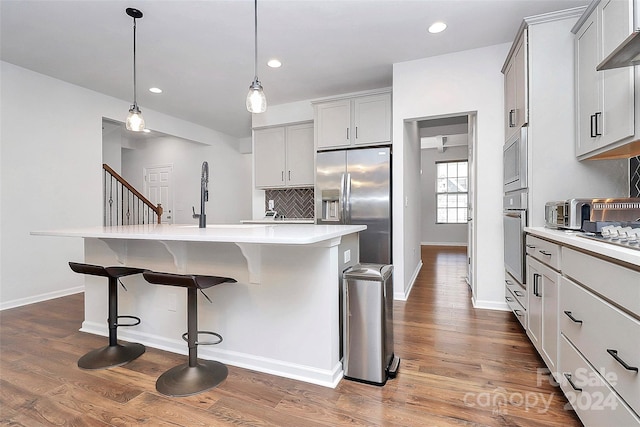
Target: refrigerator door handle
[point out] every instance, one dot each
(341, 210)
(347, 202)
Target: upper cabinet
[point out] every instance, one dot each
(604, 99)
(515, 87)
(284, 156)
(354, 121)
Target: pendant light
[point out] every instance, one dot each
(256, 101)
(135, 121)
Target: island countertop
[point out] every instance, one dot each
(280, 234)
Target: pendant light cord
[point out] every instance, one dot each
(255, 33)
(135, 102)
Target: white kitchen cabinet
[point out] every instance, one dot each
(284, 156)
(515, 86)
(361, 120)
(542, 329)
(604, 99)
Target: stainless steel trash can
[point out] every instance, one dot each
(368, 324)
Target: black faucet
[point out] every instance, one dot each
(204, 196)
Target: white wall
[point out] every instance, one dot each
(455, 83)
(229, 179)
(431, 232)
(51, 176)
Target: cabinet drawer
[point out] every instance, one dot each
(604, 330)
(594, 401)
(518, 291)
(517, 309)
(544, 251)
(618, 284)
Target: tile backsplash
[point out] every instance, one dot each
(634, 176)
(291, 202)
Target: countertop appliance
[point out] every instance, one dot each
(568, 214)
(615, 221)
(354, 187)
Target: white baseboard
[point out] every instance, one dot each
(443, 243)
(400, 296)
(490, 305)
(39, 298)
(322, 377)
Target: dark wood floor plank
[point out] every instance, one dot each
(460, 367)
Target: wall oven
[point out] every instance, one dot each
(514, 162)
(514, 221)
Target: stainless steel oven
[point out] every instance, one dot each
(514, 162)
(514, 221)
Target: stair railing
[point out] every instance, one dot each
(124, 205)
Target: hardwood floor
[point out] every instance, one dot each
(459, 366)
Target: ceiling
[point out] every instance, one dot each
(201, 52)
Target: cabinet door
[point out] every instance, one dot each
(534, 311)
(372, 119)
(617, 85)
(300, 154)
(269, 157)
(333, 123)
(550, 280)
(587, 86)
(509, 100)
(521, 89)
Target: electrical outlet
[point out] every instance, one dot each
(172, 303)
(347, 255)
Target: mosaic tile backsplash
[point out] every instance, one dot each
(634, 176)
(291, 202)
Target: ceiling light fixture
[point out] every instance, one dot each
(274, 63)
(256, 101)
(437, 27)
(135, 121)
(155, 90)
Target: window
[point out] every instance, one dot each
(451, 192)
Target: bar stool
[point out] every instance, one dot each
(197, 375)
(114, 354)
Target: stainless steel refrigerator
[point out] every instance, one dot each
(354, 187)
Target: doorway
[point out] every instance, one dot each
(447, 143)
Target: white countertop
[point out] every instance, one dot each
(572, 238)
(280, 221)
(280, 234)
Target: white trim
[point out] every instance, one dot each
(399, 296)
(39, 298)
(490, 305)
(444, 244)
(327, 378)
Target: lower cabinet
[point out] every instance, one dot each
(583, 317)
(542, 328)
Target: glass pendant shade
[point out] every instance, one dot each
(256, 100)
(135, 121)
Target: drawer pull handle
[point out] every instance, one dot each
(570, 316)
(568, 377)
(508, 282)
(544, 252)
(508, 299)
(530, 246)
(614, 354)
(518, 293)
(517, 313)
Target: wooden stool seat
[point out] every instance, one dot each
(195, 376)
(114, 354)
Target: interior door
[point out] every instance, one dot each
(157, 181)
(471, 132)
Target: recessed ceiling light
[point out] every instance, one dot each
(274, 63)
(155, 90)
(437, 27)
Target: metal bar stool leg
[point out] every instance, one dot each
(114, 354)
(195, 376)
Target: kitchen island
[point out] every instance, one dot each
(282, 317)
